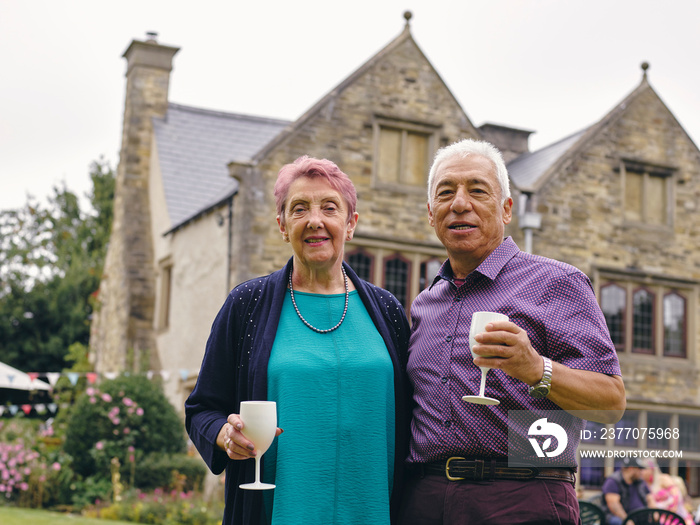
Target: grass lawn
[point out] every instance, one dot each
(17, 516)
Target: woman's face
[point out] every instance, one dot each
(316, 221)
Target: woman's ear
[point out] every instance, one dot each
(283, 230)
(352, 224)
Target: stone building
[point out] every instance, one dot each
(194, 216)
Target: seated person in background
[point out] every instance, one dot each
(671, 495)
(625, 491)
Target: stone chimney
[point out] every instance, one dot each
(122, 331)
(512, 142)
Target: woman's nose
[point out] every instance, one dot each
(315, 219)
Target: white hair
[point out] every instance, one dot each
(463, 149)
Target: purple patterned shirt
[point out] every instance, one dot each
(553, 301)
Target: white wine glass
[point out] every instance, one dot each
(479, 322)
(260, 426)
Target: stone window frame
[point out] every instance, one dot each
(684, 323)
(362, 253)
(432, 133)
(165, 284)
(638, 318)
(381, 249)
(426, 279)
(648, 170)
(404, 296)
(659, 288)
(619, 345)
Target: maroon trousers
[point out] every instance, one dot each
(434, 500)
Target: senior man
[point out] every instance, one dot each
(552, 358)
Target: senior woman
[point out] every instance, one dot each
(330, 349)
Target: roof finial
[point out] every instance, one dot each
(407, 15)
(645, 66)
(152, 37)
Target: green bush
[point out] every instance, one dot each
(90, 491)
(127, 417)
(158, 470)
(162, 508)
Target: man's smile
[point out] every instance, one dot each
(461, 226)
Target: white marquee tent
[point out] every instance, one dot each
(17, 380)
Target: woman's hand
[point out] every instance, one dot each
(232, 441)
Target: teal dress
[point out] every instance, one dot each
(335, 401)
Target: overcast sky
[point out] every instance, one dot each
(552, 66)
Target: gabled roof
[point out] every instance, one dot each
(527, 169)
(350, 80)
(194, 148)
(531, 171)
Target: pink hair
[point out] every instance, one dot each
(306, 166)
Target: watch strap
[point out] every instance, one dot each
(542, 388)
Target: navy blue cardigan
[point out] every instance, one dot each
(234, 369)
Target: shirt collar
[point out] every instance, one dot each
(490, 267)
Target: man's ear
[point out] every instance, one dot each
(507, 211)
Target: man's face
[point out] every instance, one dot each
(636, 473)
(467, 210)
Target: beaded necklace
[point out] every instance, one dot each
(345, 310)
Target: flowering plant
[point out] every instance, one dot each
(24, 471)
(118, 423)
(126, 418)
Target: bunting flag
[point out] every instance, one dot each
(53, 378)
(40, 408)
(93, 377)
(73, 377)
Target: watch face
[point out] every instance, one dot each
(539, 391)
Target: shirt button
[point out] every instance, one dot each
(444, 380)
(448, 338)
(448, 423)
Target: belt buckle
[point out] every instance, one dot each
(447, 469)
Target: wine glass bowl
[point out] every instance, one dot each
(259, 426)
(478, 325)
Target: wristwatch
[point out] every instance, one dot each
(542, 388)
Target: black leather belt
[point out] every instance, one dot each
(458, 469)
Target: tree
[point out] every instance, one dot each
(51, 259)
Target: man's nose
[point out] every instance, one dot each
(461, 201)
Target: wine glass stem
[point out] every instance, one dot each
(482, 388)
(257, 469)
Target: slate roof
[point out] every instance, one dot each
(526, 170)
(194, 148)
